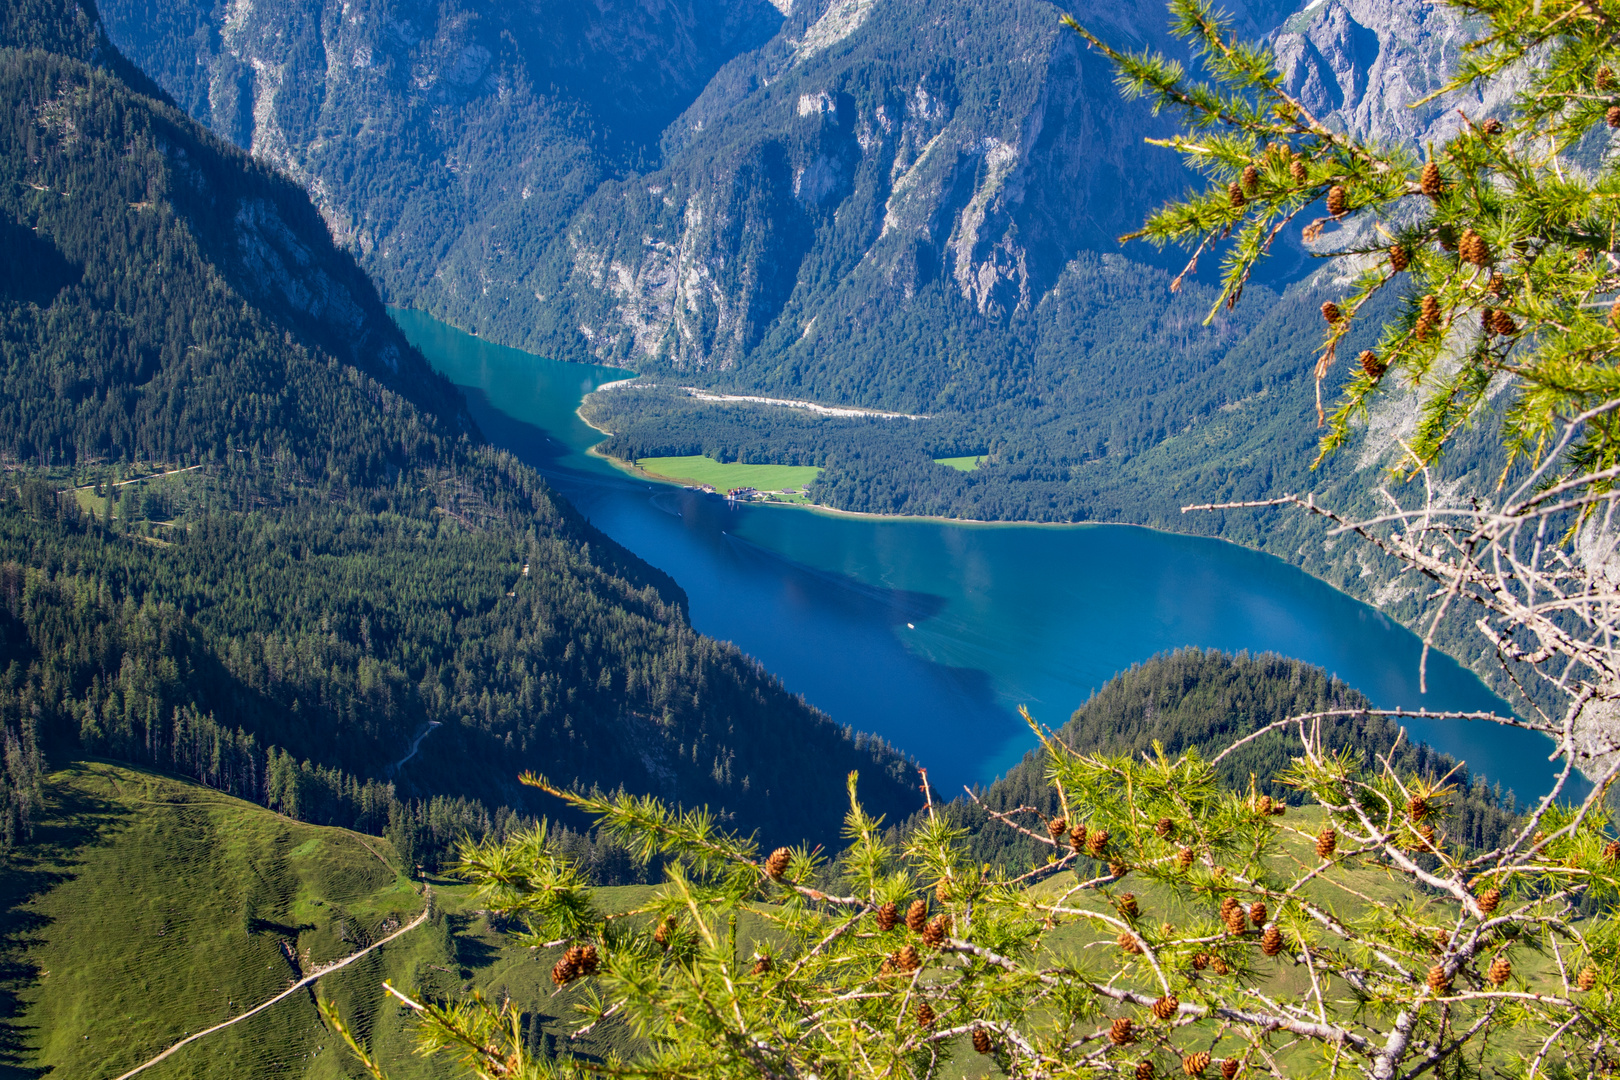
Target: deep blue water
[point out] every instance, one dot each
(931, 634)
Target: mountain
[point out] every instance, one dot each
(247, 535)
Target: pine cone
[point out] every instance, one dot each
(1122, 1031)
(1442, 938)
(1500, 971)
(933, 934)
(588, 960)
(1200, 961)
(1163, 828)
(942, 891)
(1489, 899)
(1587, 978)
(1118, 869)
(1257, 912)
(1127, 941)
(1331, 312)
(1373, 366)
(1430, 183)
(1605, 79)
(1472, 248)
(925, 1015)
(665, 931)
(1234, 193)
(777, 864)
(1430, 307)
(1417, 808)
(1503, 323)
(1493, 126)
(1497, 284)
(1219, 966)
(1264, 805)
(1426, 834)
(761, 966)
(1144, 1070)
(1251, 178)
(1097, 843)
(981, 1041)
(1298, 171)
(1611, 850)
(1438, 981)
(1184, 858)
(908, 959)
(1229, 1068)
(563, 972)
(1077, 837)
(1057, 827)
(917, 916)
(1127, 905)
(888, 915)
(1228, 905)
(1236, 923)
(1194, 1064)
(1399, 260)
(1271, 942)
(1337, 200)
(1613, 116)
(1166, 1007)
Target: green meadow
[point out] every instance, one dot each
(961, 464)
(723, 476)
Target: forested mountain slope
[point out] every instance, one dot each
(309, 555)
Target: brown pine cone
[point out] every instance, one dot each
(1426, 834)
(888, 916)
(1097, 843)
(1257, 912)
(942, 891)
(1127, 941)
(1219, 966)
(1057, 827)
(1264, 805)
(1398, 259)
(908, 959)
(1503, 323)
(1442, 938)
(1486, 317)
(1497, 284)
(1472, 248)
(925, 1015)
(1271, 942)
(933, 934)
(1337, 201)
(1431, 183)
(761, 966)
(1331, 312)
(1493, 126)
(1298, 171)
(1118, 869)
(1184, 858)
(1372, 365)
(1605, 79)
(1200, 961)
(1127, 905)
(917, 916)
(1166, 1007)
(1164, 827)
(1194, 1064)
(1234, 194)
(981, 1041)
(1144, 1070)
(1438, 981)
(1236, 923)
(1229, 1068)
(1417, 808)
(1501, 970)
(588, 960)
(1228, 905)
(777, 864)
(563, 972)
(1587, 978)
(1122, 1032)
(666, 930)
(1077, 837)
(1611, 850)
(1489, 899)
(1251, 178)
(1613, 116)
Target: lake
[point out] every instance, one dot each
(932, 633)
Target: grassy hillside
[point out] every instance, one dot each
(150, 907)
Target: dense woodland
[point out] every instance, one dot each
(343, 560)
(1197, 700)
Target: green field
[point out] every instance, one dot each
(723, 476)
(149, 908)
(961, 464)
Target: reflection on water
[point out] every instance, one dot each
(932, 633)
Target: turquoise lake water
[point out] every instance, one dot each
(931, 634)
